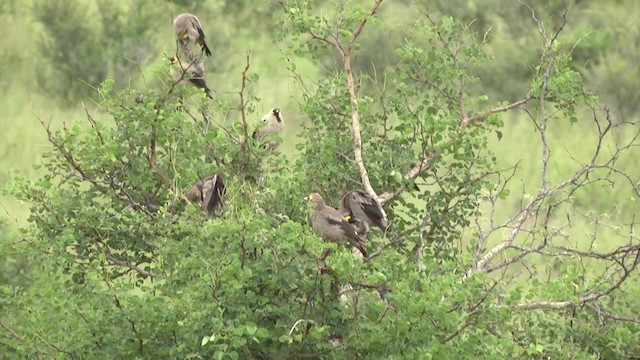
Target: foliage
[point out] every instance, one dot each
(129, 268)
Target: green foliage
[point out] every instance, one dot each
(128, 268)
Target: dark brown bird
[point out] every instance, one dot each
(209, 192)
(360, 205)
(331, 225)
(188, 28)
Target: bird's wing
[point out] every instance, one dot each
(214, 198)
(344, 226)
(370, 207)
(200, 32)
(197, 26)
(195, 194)
(195, 23)
(350, 231)
(200, 83)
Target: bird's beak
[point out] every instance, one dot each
(309, 198)
(348, 217)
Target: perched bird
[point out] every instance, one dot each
(360, 205)
(274, 125)
(192, 72)
(330, 224)
(188, 28)
(209, 192)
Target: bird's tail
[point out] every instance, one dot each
(205, 48)
(360, 246)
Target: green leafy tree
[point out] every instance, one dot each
(130, 268)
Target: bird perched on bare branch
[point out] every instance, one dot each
(274, 125)
(360, 205)
(189, 29)
(209, 192)
(331, 225)
(192, 72)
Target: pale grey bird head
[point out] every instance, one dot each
(273, 123)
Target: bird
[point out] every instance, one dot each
(209, 192)
(331, 225)
(188, 28)
(358, 204)
(193, 73)
(275, 125)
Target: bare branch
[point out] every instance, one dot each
(355, 113)
(475, 118)
(612, 316)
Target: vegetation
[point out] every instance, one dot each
(510, 187)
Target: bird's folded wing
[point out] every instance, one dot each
(344, 226)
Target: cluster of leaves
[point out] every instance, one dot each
(128, 268)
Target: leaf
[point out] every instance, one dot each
(238, 342)
(504, 194)
(251, 329)
(285, 339)
(205, 340)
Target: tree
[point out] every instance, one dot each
(132, 269)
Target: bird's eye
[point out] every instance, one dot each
(276, 111)
(264, 119)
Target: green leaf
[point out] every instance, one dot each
(251, 329)
(204, 341)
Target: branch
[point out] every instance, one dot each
(128, 265)
(132, 323)
(473, 309)
(245, 127)
(363, 22)
(423, 165)
(612, 316)
(14, 334)
(475, 118)
(355, 113)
